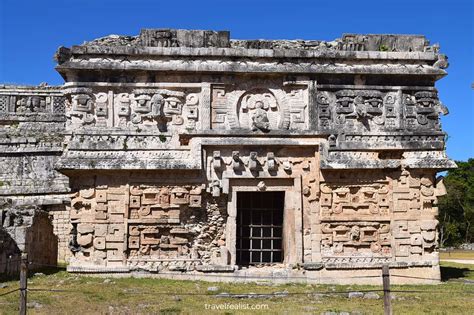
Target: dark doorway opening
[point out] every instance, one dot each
(259, 227)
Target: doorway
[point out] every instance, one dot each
(259, 227)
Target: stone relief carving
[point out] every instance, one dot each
(219, 106)
(356, 239)
(355, 200)
(422, 109)
(260, 118)
(182, 38)
(156, 223)
(415, 192)
(414, 239)
(404, 194)
(33, 103)
(351, 108)
(265, 162)
(374, 110)
(158, 107)
(258, 110)
(4, 103)
(81, 108)
(298, 100)
(261, 108)
(147, 108)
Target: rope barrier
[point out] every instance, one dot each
(276, 294)
(12, 291)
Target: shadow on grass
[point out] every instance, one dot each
(448, 273)
(44, 270)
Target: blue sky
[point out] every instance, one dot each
(31, 31)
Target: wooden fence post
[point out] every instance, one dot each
(387, 302)
(23, 282)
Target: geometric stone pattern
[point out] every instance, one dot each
(140, 157)
(148, 226)
(388, 217)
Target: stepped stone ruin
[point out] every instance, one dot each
(185, 154)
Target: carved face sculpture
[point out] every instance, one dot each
(344, 105)
(426, 103)
(142, 104)
(425, 99)
(172, 106)
(35, 103)
(82, 103)
(355, 233)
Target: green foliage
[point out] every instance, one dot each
(456, 208)
(383, 48)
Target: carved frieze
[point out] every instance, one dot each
(352, 109)
(138, 108)
(416, 192)
(152, 107)
(29, 102)
(378, 110)
(147, 218)
(261, 162)
(422, 109)
(365, 239)
(348, 202)
(263, 108)
(390, 203)
(80, 108)
(415, 239)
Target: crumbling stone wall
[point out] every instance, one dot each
(10, 254)
(26, 229)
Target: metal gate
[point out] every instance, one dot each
(259, 227)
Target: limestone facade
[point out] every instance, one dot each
(144, 156)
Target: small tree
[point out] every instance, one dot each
(456, 208)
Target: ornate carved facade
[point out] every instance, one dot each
(168, 153)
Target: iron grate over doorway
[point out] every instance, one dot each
(259, 227)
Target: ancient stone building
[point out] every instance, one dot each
(187, 154)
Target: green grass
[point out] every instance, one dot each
(90, 295)
(457, 254)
